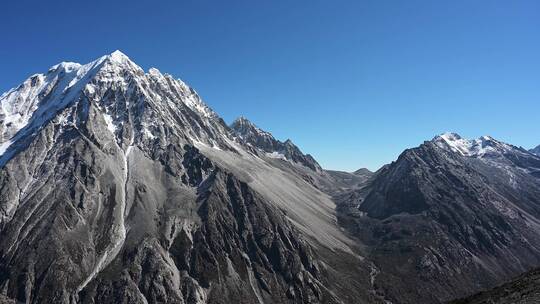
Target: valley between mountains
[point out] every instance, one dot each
(122, 186)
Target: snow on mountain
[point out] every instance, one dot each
(462, 209)
(479, 147)
(121, 177)
(248, 133)
(42, 95)
(26, 108)
(142, 112)
(493, 152)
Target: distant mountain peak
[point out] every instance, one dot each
(536, 150)
(258, 138)
(243, 124)
(242, 120)
(363, 171)
(479, 147)
(118, 55)
(489, 150)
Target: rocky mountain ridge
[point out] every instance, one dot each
(536, 150)
(120, 186)
(248, 133)
(451, 220)
(522, 290)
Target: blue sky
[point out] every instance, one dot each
(351, 82)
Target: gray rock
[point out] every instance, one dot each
(252, 136)
(119, 186)
(450, 222)
(522, 290)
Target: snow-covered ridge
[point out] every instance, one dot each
(191, 98)
(42, 96)
(480, 147)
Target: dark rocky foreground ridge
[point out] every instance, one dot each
(523, 290)
(120, 186)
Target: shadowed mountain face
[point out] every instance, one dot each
(535, 151)
(451, 216)
(523, 290)
(120, 186)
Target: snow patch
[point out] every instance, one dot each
(42, 96)
(195, 103)
(277, 155)
(90, 88)
(148, 133)
(154, 72)
(110, 124)
(118, 56)
(4, 146)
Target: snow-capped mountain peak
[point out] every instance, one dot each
(119, 165)
(118, 56)
(491, 151)
(480, 147)
(42, 97)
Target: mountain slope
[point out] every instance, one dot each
(123, 186)
(452, 216)
(523, 290)
(535, 151)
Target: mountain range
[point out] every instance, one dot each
(122, 186)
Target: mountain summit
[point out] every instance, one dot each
(484, 146)
(53, 95)
(451, 214)
(252, 135)
(120, 185)
(491, 151)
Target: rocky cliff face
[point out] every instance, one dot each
(120, 186)
(251, 135)
(451, 220)
(524, 289)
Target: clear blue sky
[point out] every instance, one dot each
(351, 82)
